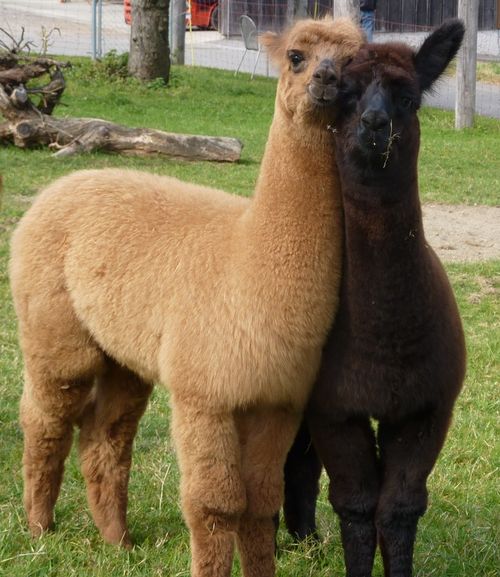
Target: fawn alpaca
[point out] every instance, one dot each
(121, 279)
(396, 351)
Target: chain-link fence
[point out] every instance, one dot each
(95, 27)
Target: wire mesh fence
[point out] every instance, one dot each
(95, 27)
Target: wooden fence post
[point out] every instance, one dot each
(468, 11)
(348, 8)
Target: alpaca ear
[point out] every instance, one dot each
(437, 51)
(274, 45)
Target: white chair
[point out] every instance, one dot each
(250, 39)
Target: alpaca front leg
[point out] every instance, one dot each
(212, 492)
(108, 427)
(266, 437)
(348, 452)
(302, 473)
(408, 451)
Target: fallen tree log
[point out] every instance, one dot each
(69, 136)
(27, 125)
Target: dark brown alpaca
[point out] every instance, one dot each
(396, 353)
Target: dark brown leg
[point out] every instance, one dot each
(302, 473)
(348, 452)
(108, 427)
(408, 451)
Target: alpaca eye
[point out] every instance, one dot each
(406, 103)
(296, 58)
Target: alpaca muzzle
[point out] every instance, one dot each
(323, 88)
(375, 125)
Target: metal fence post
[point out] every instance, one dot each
(177, 26)
(96, 29)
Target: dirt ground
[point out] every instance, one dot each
(463, 233)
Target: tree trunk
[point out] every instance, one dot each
(149, 52)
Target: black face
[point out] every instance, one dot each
(378, 110)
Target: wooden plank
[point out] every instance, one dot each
(401, 15)
(449, 10)
(423, 13)
(436, 13)
(409, 15)
(489, 14)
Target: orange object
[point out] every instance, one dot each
(127, 8)
(204, 13)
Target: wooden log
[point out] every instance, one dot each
(78, 135)
(94, 134)
(21, 75)
(28, 125)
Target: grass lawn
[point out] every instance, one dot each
(459, 535)
(488, 72)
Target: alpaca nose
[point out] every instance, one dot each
(325, 72)
(373, 119)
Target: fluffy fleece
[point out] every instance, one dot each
(396, 352)
(122, 279)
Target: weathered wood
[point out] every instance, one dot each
(69, 136)
(21, 75)
(16, 71)
(465, 104)
(29, 125)
(346, 8)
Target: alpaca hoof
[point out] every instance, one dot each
(38, 529)
(309, 537)
(39, 524)
(117, 536)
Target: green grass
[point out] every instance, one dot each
(459, 535)
(488, 72)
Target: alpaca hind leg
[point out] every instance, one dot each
(348, 452)
(212, 492)
(108, 427)
(408, 452)
(47, 421)
(266, 436)
(61, 362)
(302, 473)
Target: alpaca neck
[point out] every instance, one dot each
(291, 237)
(382, 205)
(298, 185)
(386, 259)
